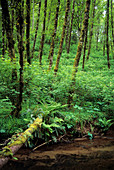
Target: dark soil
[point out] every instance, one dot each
(80, 154)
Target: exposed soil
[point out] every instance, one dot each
(80, 154)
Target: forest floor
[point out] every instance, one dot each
(79, 154)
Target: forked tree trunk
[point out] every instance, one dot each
(107, 38)
(62, 37)
(43, 34)
(79, 50)
(91, 30)
(50, 57)
(28, 31)
(68, 48)
(36, 29)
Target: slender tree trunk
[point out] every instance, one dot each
(67, 29)
(62, 37)
(85, 43)
(7, 24)
(68, 49)
(28, 31)
(97, 38)
(50, 57)
(3, 37)
(112, 28)
(33, 17)
(36, 29)
(12, 12)
(107, 39)
(20, 8)
(79, 50)
(43, 34)
(91, 30)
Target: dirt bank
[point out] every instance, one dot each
(79, 154)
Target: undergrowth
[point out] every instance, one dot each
(47, 95)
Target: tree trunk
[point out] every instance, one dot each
(97, 39)
(50, 57)
(68, 48)
(20, 8)
(3, 37)
(28, 31)
(12, 148)
(9, 35)
(67, 30)
(112, 29)
(107, 39)
(62, 37)
(79, 50)
(7, 24)
(91, 30)
(85, 43)
(36, 29)
(43, 34)
(33, 17)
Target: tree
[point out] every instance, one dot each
(36, 29)
(91, 30)
(28, 31)
(107, 35)
(72, 17)
(43, 34)
(79, 50)
(62, 37)
(50, 57)
(19, 9)
(112, 28)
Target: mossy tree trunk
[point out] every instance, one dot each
(91, 30)
(107, 35)
(79, 50)
(37, 23)
(72, 17)
(62, 37)
(19, 9)
(50, 57)
(112, 24)
(28, 31)
(16, 144)
(43, 34)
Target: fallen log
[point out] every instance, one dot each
(9, 150)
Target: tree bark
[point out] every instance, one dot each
(85, 43)
(68, 48)
(79, 50)
(50, 57)
(112, 28)
(43, 34)
(18, 143)
(20, 8)
(36, 29)
(28, 31)
(107, 39)
(62, 37)
(91, 30)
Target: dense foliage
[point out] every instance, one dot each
(46, 95)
